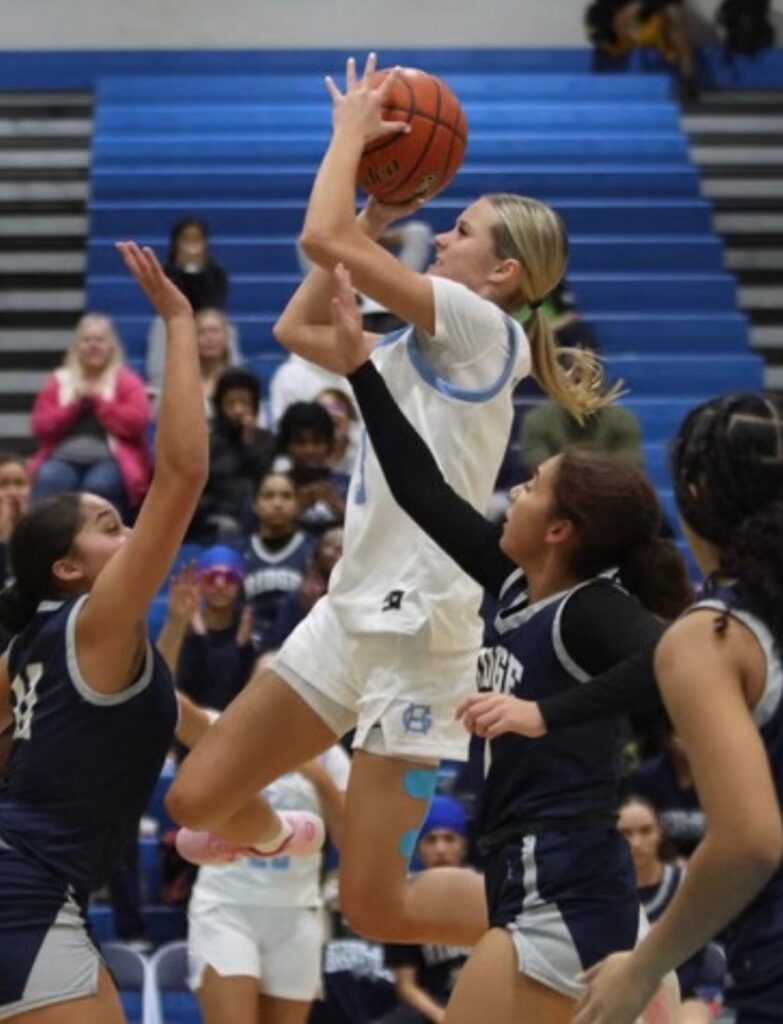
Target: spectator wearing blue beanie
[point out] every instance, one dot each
(207, 635)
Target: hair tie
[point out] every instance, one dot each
(535, 305)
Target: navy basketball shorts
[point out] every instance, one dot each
(567, 899)
(46, 955)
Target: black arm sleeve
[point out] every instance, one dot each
(419, 488)
(612, 637)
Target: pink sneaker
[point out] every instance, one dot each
(306, 838)
(208, 850)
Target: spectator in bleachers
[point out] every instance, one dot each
(341, 408)
(306, 440)
(666, 781)
(617, 27)
(14, 502)
(294, 606)
(658, 877)
(240, 453)
(90, 420)
(218, 349)
(746, 26)
(190, 266)
(207, 638)
(426, 975)
(548, 430)
(277, 554)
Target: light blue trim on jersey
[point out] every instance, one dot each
(81, 685)
(389, 339)
(360, 491)
(449, 390)
(769, 702)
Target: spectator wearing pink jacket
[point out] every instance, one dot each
(90, 420)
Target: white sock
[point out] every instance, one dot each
(270, 844)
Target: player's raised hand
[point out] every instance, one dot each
(350, 348)
(359, 109)
(167, 300)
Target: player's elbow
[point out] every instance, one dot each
(320, 245)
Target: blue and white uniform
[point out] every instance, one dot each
(271, 574)
(81, 770)
(754, 942)
(262, 917)
(394, 643)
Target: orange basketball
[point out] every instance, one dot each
(398, 168)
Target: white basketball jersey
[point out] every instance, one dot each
(456, 389)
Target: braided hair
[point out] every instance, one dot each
(727, 467)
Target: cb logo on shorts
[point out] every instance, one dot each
(417, 718)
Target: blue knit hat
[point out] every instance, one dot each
(221, 558)
(445, 813)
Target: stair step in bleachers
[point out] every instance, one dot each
(675, 374)
(287, 180)
(713, 291)
(297, 88)
(112, 218)
(589, 254)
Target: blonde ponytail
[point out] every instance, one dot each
(572, 377)
(535, 236)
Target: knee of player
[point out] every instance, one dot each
(185, 806)
(371, 916)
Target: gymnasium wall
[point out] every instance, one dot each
(218, 24)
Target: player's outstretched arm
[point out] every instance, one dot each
(111, 629)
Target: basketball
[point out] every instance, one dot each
(398, 168)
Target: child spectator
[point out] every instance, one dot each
(306, 438)
(426, 975)
(345, 448)
(276, 556)
(240, 453)
(207, 636)
(191, 268)
(294, 606)
(90, 420)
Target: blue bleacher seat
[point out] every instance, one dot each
(171, 997)
(128, 969)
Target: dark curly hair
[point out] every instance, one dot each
(727, 467)
(619, 520)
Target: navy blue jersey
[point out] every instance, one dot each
(270, 575)
(571, 773)
(754, 942)
(83, 764)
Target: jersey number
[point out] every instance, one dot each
(25, 696)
